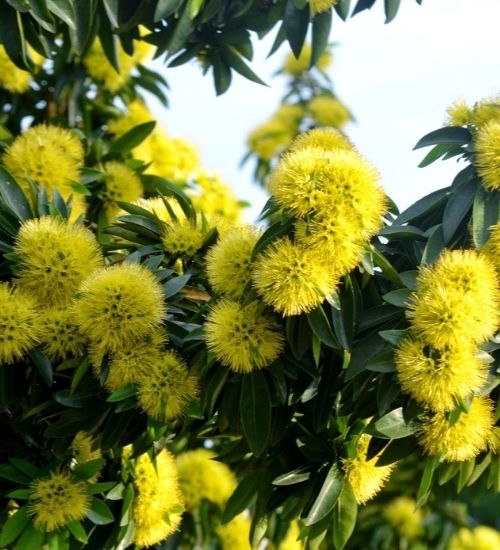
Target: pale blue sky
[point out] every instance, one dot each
(397, 79)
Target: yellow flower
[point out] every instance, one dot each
(485, 111)
(54, 258)
(456, 301)
(57, 500)
(183, 237)
(241, 337)
(314, 180)
(319, 6)
(270, 138)
(128, 364)
(19, 323)
(120, 184)
(338, 237)
(295, 66)
(59, 334)
(228, 261)
(137, 113)
(215, 199)
(365, 478)
(487, 146)
(156, 205)
(328, 111)
(235, 535)
(322, 138)
(492, 247)
(99, 68)
(480, 538)
(463, 440)
(459, 114)
(290, 542)
(404, 516)
(435, 378)
(12, 78)
(84, 448)
(158, 501)
(290, 114)
(202, 477)
(48, 155)
(166, 387)
(293, 279)
(118, 304)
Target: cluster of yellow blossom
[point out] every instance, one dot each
(12, 78)
(453, 311)
(296, 66)
(479, 538)
(50, 156)
(404, 516)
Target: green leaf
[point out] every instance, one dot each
(64, 10)
(394, 426)
(294, 476)
(344, 517)
(393, 336)
(296, 22)
(89, 469)
(485, 213)
(175, 285)
(13, 196)
(271, 234)
(321, 26)
(387, 268)
(255, 411)
(182, 30)
(424, 206)
(318, 321)
(132, 138)
(398, 297)
(397, 449)
(327, 496)
(30, 539)
(342, 8)
(457, 208)
(14, 526)
(242, 497)
(78, 531)
(391, 9)
(426, 480)
(436, 152)
(234, 60)
(158, 185)
(12, 37)
(43, 365)
(25, 467)
(222, 75)
(164, 8)
(99, 512)
(402, 232)
(451, 135)
(434, 246)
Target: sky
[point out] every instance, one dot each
(397, 79)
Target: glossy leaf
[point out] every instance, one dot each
(327, 496)
(255, 411)
(344, 517)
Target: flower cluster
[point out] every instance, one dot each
(454, 310)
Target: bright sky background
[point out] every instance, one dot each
(397, 79)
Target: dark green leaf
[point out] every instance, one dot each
(426, 480)
(423, 206)
(452, 135)
(318, 321)
(398, 297)
(77, 530)
(158, 185)
(344, 517)
(321, 26)
(397, 449)
(43, 365)
(173, 286)
(132, 138)
(234, 60)
(327, 496)
(255, 411)
(99, 512)
(391, 9)
(393, 336)
(30, 539)
(164, 8)
(222, 75)
(457, 208)
(242, 497)
(25, 467)
(342, 8)
(13, 196)
(402, 232)
(294, 476)
(296, 22)
(64, 10)
(89, 469)
(14, 526)
(434, 246)
(271, 234)
(394, 426)
(485, 213)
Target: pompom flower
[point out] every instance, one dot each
(492, 247)
(48, 155)
(320, 6)
(166, 387)
(119, 304)
(459, 114)
(19, 323)
(436, 379)
(457, 300)
(327, 110)
(479, 538)
(137, 113)
(57, 500)
(463, 440)
(293, 279)
(228, 261)
(365, 477)
(485, 111)
(156, 205)
(183, 237)
(487, 146)
(84, 448)
(241, 337)
(59, 334)
(54, 258)
(121, 183)
(270, 138)
(12, 78)
(404, 516)
(158, 502)
(314, 180)
(215, 199)
(235, 535)
(202, 477)
(295, 66)
(129, 364)
(321, 138)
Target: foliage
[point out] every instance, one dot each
(142, 322)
